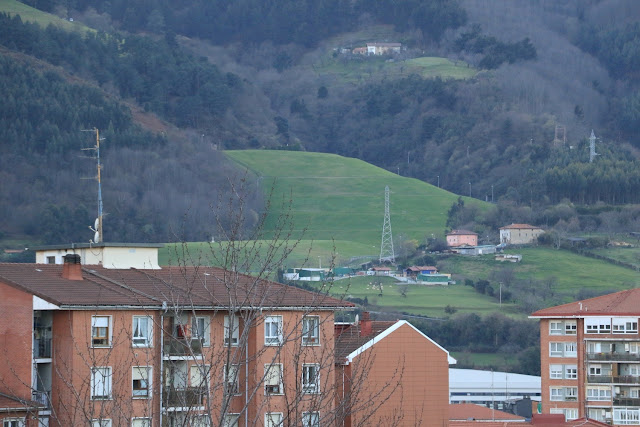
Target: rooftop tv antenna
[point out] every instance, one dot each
(592, 147)
(97, 227)
(386, 247)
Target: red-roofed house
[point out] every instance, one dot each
(397, 369)
(85, 345)
(590, 358)
(519, 234)
(462, 238)
(413, 271)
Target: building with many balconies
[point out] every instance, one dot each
(590, 358)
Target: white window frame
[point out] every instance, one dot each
(199, 376)
(595, 369)
(569, 413)
(272, 330)
(556, 394)
(9, 422)
(141, 422)
(599, 393)
(231, 336)
(310, 378)
(597, 325)
(140, 371)
(570, 349)
(142, 335)
(570, 327)
(556, 349)
(571, 393)
(624, 325)
(200, 420)
(105, 373)
(273, 379)
(626, 416)
(104, 422)
(204, 323)
(556, 372)
(311, 419)
(230, 420)
(311, 330)
(97, 321)
(571, 372)
(273, 419)
(556, 328)
(232, 380)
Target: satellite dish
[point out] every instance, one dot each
(96, 224)
(96, 237)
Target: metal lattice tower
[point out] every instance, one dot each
(592, 147)
(386, 247)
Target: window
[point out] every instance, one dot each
(571, 393)
(310, 378)
(231, 329)
(142, 327)
(571, 372)
(141, 422)
(272, 419)
(570, 349)
(100, 331)
(199, 376)
(200, 329)
(555, 372)
(273, 330)
(311, 419)
(13, 422)
(570, 327)
(101, 383)
(101, 423)
(595, 369)
(569, 413)
(231, 383)
(626, 416)
(202, 421)
(555, 328)
(598, 393)
(556, 393)
(310, 330)
(141, 381)
(230, 420)
(597, 325)
(625, 325)
(51, 260)
(273, 379)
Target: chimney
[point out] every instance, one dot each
(72, 269)
(365, 324)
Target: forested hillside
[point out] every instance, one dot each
(171, 83)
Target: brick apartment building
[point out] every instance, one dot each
(590, 358)
(189, 346)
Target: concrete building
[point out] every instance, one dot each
(108, 255)
(497, 390)
(519, 234)
(397, 369)
(462, 238)
(590, 358)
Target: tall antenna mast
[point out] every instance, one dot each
(592, 147)
(97, 227)
(386, 247)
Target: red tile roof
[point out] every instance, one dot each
(471, 411)
(623, 303)
(348, 337)
(135, 287)
(520, 226)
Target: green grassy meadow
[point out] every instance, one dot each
(340, 198)
(27, 13)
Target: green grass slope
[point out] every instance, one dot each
(335, 197)
(27, 13)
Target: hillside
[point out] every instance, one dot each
(334, 197)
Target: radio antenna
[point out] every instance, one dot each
(97, 227)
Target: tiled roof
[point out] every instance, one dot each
(421, 268)
(519, 227)
(348, 337)
(461, 232)
(201, 286)
(623, 303)
(469, 411)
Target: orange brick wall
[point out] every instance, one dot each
(403, 356)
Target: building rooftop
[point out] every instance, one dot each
(461, 232)
(623, 303)
(520, 226)
(204, 287)
(72, 246)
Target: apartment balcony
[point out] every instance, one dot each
(622, 357)
(41, 397)
(42, 348)
(191, 397)
(182, 347)
(608, 379)
(626, 401)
